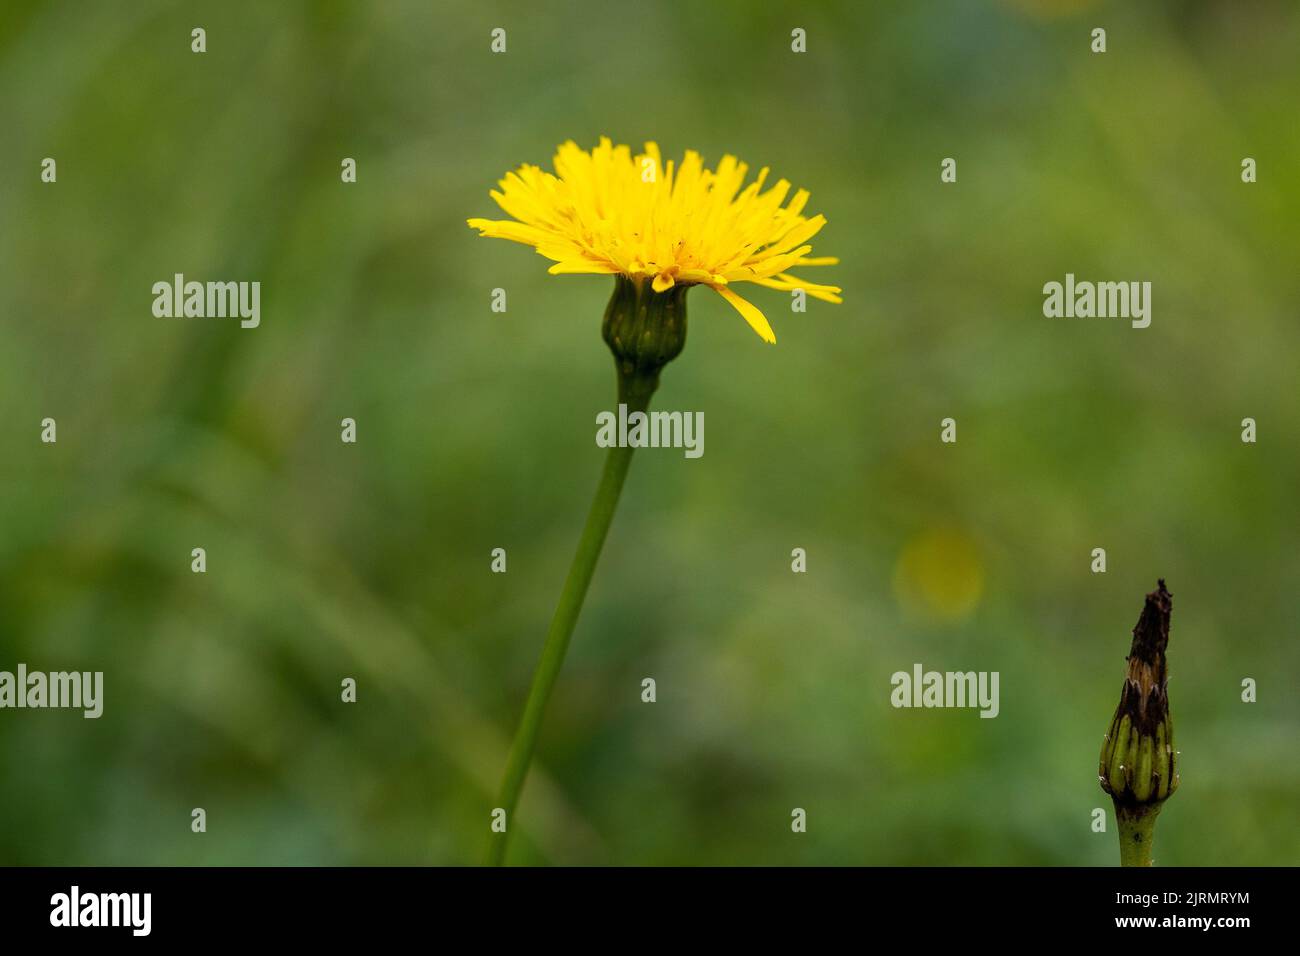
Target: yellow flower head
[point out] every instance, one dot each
(609, 212)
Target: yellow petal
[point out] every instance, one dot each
(788, 283)
(749, 312)
(581, 266)
(508, 229)
(796, 236)
(662, 283)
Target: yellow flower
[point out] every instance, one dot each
(609, 212)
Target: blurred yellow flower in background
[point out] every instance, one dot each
(939, 575)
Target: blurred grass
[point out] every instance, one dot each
(475, 431)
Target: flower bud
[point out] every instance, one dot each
(1139, 765)
(645, 330)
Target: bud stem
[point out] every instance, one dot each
(1137, 831)
(557, 636)
(645, 330)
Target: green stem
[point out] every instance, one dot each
(1137, 832)
(635, 392)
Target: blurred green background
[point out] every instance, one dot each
(476, 431)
